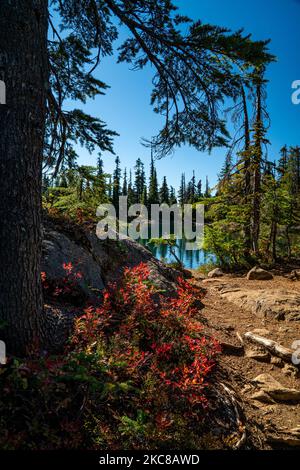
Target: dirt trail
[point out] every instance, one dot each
(225, 319)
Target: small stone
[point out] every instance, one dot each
(294, 275)
(290, 370)
(217, 272)
(259, 274)
(258, 355)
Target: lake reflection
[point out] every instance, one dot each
(190, 259)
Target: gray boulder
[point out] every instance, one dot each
(113, 256)
(98, 261)
(259, 274)
(58, 249)
(217, 272)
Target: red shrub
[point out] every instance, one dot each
(133, 375)
(153, 334)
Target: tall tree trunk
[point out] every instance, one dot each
(247, 176)
(23, 63)
(271, 244)
(289, 246)
(257, 159)
(274, 238)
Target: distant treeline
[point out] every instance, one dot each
(80, 183)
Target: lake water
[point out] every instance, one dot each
(191, 259)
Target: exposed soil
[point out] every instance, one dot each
(225, 320)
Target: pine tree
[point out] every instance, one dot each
(109, 188)
(152, 167)
(207, 188)
(271, 205)
(100, 188)
(140, 180)
(144, 199)
(290, 191)
(191, 190)
(100, 166)
(246, 172)
(199, 189)
(294, 169)
(131, 195)
(269, 169)
(182, 190)
(173, 199)
(283, 161)
(257, 156)
(125, 186)
(164, 195)
(116, 189)
(226, 170)
(153, 197)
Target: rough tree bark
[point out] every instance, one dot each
(23, 67)
(247, 175)
(274, 238)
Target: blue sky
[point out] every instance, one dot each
(126, 107)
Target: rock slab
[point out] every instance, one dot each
(279, 304)
(275, 389)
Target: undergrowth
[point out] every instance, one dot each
(133, 375)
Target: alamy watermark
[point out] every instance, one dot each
(296, 93)
(2, 92)
(166, 222)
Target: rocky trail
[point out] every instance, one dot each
(263, 376)
(256, 319)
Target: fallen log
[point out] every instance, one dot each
(274, 348)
